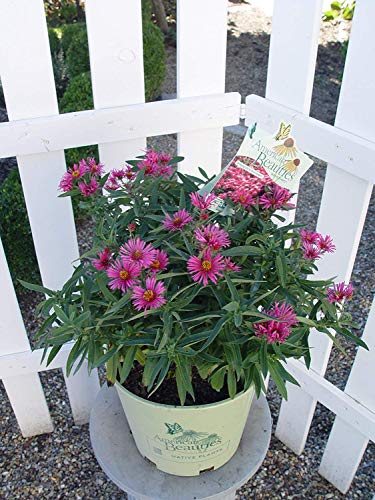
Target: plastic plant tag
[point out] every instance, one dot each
(262, 159)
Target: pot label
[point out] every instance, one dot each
(178, 444)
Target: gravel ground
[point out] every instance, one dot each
(62, 465)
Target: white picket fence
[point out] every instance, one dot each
(120, 123)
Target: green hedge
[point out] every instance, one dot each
(78, 97)
(16, 233)
(77, 55)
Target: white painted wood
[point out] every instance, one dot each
(25, 392)
(29, 89)
(116, 58)
(201, 56)
(343, 208)
(343, 455)
(81, 402)
(24, 362)
(114, 125)
(292, 56)
(350, 410)
(347, 151)
(341, 472)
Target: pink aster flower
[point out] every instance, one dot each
(177, 221)
(124, 274)
(93, 167)
(277, 197)
(230, 265)
(160, 261)
(148, 166)
(340, 292)
(207, 267)
(277, 331)
(202, 201)
(325, 244)
(164, 157)
(136, 250)
(242, 196)
(79, 170)
(150, 296)
(88, 189)
(310, 252)
(103, 261)
(212, 236)
(66, 183)
(309, 237)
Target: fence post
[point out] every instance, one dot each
(25, 392)
(114, 30)
(343, 210)
(345, 442)
(29, 90)
(201, 57)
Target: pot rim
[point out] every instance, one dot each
(186, 408)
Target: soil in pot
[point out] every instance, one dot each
(167, 392)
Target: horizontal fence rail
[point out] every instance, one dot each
(53, 133)
(120, 123)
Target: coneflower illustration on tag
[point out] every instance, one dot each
(261, 160)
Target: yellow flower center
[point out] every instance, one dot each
(75, 173)
(137, 254)
(206, 265)
(176, 221)
(242, 199)
(156, 264)
(149, 295)
(124, 274)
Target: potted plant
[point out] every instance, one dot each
(188, 308)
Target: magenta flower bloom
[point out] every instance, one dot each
(207, 267)
(277, 331)
(124, 274)
(89, 189)
(75, 172)
(66, 183)
(309, 237)
(325, 244)
(177, 221)
(160, 261)
(136, 250)
(277, 197)
(150, 297)
(242, 196)
(164, 157)
(95, 168)
(212, 236)
(103, 261)
(231, 266)
(340, 292)
(310, 252)
(202, 202)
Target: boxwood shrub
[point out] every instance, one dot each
(16, 233)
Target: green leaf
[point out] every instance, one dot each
(217, 378)
(307, 321)
(61, 315)
(281, 269)
(247, 250)
(348, 334)
(232, 383)
(37, 288)
(263, 357)
(214, 333)
(233, 290)
(278, 379)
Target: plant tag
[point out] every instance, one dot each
(262, 159)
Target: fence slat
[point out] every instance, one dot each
(296, 25)
(341, 472)
(116, 58)
(29, 89)
(25, 392)
(343, 209)
(201, 56)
